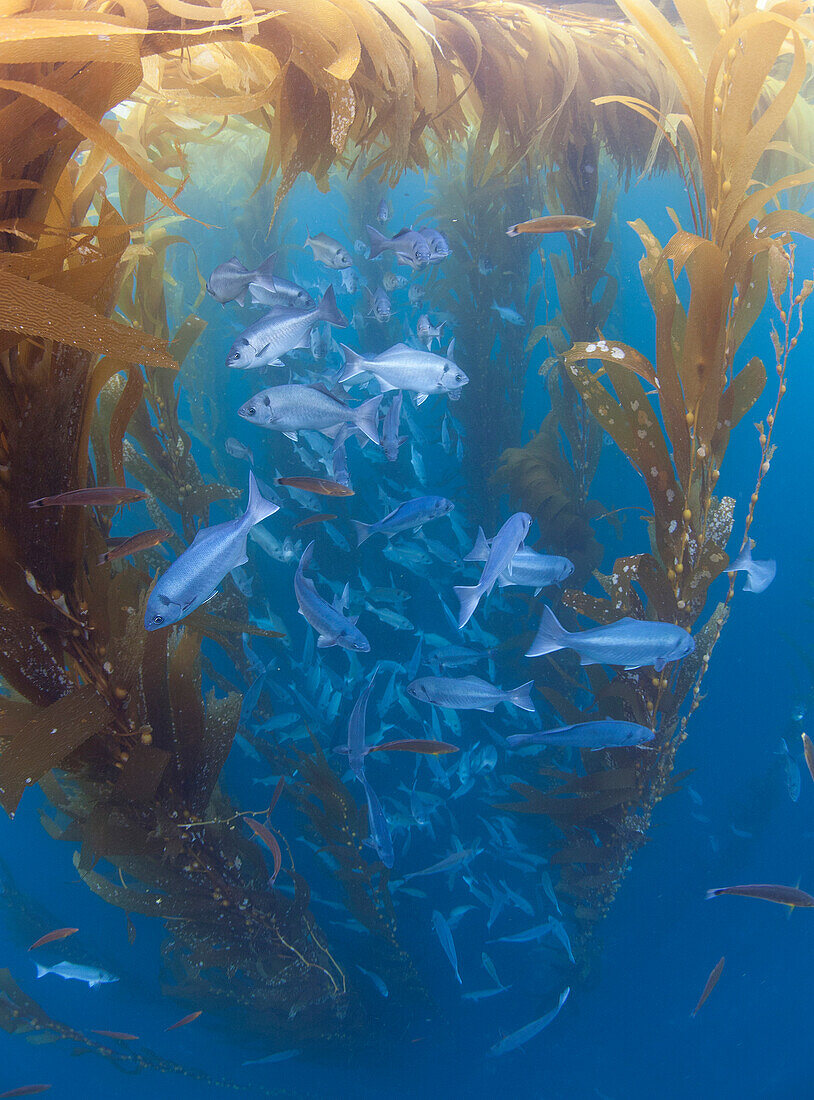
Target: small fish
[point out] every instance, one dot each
(98, 496)
(382, 215)
(328, 251)
(280, 1056)
(808, 750)
(320, 341)
(782, 895)
(391, 440)
(230, 281)
(321, 517)
(122, 1036)
(281, 331)
(437, 244)
(408, 246)
(331, 626)
(631, 643)
(194, 576)
(391, 281)
(529, 935)
(469, 693)
(360, 248)
(415, 294)
(409, 516)
(350, 280)
(51, 937)
(120, 548)
(509, 314)
(485, 266)
(380, 307)
(503, 548)
(92, 975)
(526, 567)
(490, 969)
(25, 1090)
(434, 748)
(417, 463)
(552, 223)
(284, 294)
(298, 408)
(452, 862)
(377, 981)
(712, 981)
(759, 574)
(791, 771)
(320, 485)
(185, 1020)
(605, 734)
(238, 450)
(442, 931)
(427, 332)
(403, 368)
(379, 840)
(482, 994)
(522, 1035)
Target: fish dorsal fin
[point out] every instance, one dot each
(320, 387)
(451, 350)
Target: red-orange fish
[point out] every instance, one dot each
(50, 937)
(433, 748)
(97, 496)
(275, 798)
(26, 1090)
(782, 895)
(553, 223)
(323, 517)
(808, 751)
(270, 841)
(120, 548)
(185, 1020)
(712, 981)
(125, 1036)
(321, 485)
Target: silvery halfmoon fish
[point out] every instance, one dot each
(300, 408)
(328, 251)
(281, 331)
(502, 550)
(330, 624)
(469, 693)
(194, 576)
(607, 733)
(631, 643)
(527, 567)
(409, 516)
(404, 368)
(759, 574)
(230, 281)
(410, 247)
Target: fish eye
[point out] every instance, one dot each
(251, 411)
(459, 377)
(158, 619)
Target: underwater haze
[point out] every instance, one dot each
(415, 704)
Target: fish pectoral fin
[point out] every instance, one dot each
(243, 561)
(584, 660)
(385, 386)
(420, 398)
(291, 435)
(325, 641)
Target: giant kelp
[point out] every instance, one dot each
(673, 418)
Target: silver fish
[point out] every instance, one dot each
(427, 332)
(524, 1034)
(503, 548)
(391, 281)
(380, 306)
(381, 988)
(360, 248)
(408, 246)
(469, 693)
(437, 243)
(509, 314)
(405, 368)
(283, 293)
(295, 408)
(759, 574)
(280, 332)
(391, 440)
(328, 251)
(442, 931)
(350, 280)
(605, 734)
(631, 643)
(331, 626)
(238, 450)
(527, 567)
(415, 294)
(193, 577)
(382, 215)
(92, 975)
(529, 935)
(379, 840)
(791, 771)
(409, 516)
(230, 281)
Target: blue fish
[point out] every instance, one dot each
(355, 749)
(331, 626)
(469, 693)
(391, 440)
(193, 578)
(444, 934)
(527, 567)
(522, 1035)
(631, 643)
(409, 516)
(605, 734)
(503, 548)
(759, 574)
(379, 840)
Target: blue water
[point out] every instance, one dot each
(625, 1032)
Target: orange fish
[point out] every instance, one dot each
(98, 496)
(553, 223)
(434, 748)
(323, 517)
(270, 841)
(49, 937)
(185, 1020)
(125, 1036)
(808, 750)
(120, 548)
(26, 1090)
(712, 981)
(319, 485)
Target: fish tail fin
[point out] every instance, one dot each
(42, 971)
(363, 531)
(469, 599)
(366, 417)
(354, 364)
(551, 636)
(480, 551)
(378, 242)
(258, 507)
(513, 231)
(521, 696)
(266, 269)
(329, 311)
(307, 555)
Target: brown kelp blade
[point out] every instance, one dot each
(51, 937)
(323, 517)
(98, 496)
(270, 841)
(782, 895)
(321, 485)
(432, 748)
(185, 1020)
(712, 981)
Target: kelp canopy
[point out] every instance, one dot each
(84, 397)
